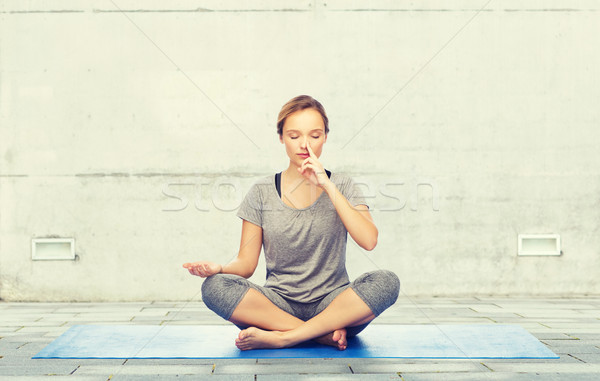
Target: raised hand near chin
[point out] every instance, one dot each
(312, 169)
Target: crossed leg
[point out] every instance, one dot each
(271, 327)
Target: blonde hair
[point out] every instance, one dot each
(301, 102)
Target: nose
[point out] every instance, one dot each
(303, 142)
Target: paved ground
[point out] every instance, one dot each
(568, 326)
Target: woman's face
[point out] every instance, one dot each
(301, 128)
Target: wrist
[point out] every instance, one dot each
(328, 186)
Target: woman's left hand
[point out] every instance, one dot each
(313, 170)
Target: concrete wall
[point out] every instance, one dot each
(123, 122)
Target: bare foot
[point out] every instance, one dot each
(254, 338)
(336, 338)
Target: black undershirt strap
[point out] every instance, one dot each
(278, 181)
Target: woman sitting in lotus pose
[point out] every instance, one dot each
(301, 216)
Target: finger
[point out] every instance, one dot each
(311, 166)
(303, 171)
(302, 167)
(310, 151)
(312, 158)
(316, 170)
(307, 161)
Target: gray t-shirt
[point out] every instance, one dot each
(305, 249)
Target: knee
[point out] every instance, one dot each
(386, 282)
(213, 289)
(379, 289)
(390, 283)
(221, 293)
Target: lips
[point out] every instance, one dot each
(305, 155)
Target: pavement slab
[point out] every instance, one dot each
(568, 326)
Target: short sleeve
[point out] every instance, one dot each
(354, 194)
(251, 207)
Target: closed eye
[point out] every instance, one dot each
(314, 137)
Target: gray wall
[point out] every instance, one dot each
(136, 127)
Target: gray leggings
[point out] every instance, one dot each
(378, 289)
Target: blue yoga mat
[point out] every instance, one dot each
(376, 341)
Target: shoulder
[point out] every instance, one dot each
(264, 180)
(261, 185)
(341, 179)
(347, 185)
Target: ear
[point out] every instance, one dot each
(325, 139)
(281, 138)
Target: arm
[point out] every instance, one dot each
(247, 259)
(243, 265)
(356, 219)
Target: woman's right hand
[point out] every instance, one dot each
(203, 269)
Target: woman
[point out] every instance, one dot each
(302, 216)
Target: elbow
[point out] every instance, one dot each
(246, 274)
(371, 243)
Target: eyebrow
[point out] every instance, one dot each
(316, 129)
